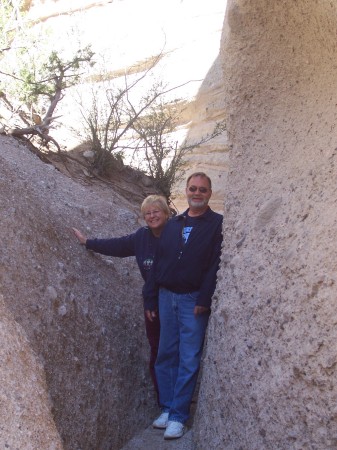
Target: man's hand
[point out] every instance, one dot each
(150, 315)
(200, 310)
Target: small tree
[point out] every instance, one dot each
(10, 19)
(35, 78)
(115, 124)
(164, 156)
(105, 126)
(109, 119)
(42, 88)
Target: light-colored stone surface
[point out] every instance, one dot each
(270, 370)
(153, 439)
(25, 409)
(82, 313)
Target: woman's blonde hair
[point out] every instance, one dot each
(157, 200)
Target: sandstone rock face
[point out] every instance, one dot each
(26, 420)
(82, 313)
(269, 379)
(211, 157)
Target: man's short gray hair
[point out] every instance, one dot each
(200, 174)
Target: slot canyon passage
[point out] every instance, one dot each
(74, 355)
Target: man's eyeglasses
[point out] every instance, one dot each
(201, 189)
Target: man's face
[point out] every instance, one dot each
(198, 192)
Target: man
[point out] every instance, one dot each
(184, 273)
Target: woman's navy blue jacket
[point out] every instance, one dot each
(142, 244)
(190, 267)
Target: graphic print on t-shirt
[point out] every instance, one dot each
(186, 233)
(147, 263)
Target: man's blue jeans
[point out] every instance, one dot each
(180, 349)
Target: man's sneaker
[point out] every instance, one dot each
(161, 421)
(174, 430)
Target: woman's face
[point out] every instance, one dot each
(155, 217)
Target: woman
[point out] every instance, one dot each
(142, 244)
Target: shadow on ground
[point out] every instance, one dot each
(153, 439)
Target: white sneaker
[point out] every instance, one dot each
(161, 421)
(174, 430)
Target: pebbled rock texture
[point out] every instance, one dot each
(25, 406)
(81, 313)
(269, 379)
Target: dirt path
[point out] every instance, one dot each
(152, 439)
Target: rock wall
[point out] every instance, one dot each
(269, 379)
(81, 313)
(24, 401)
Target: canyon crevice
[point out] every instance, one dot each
(72, 321)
